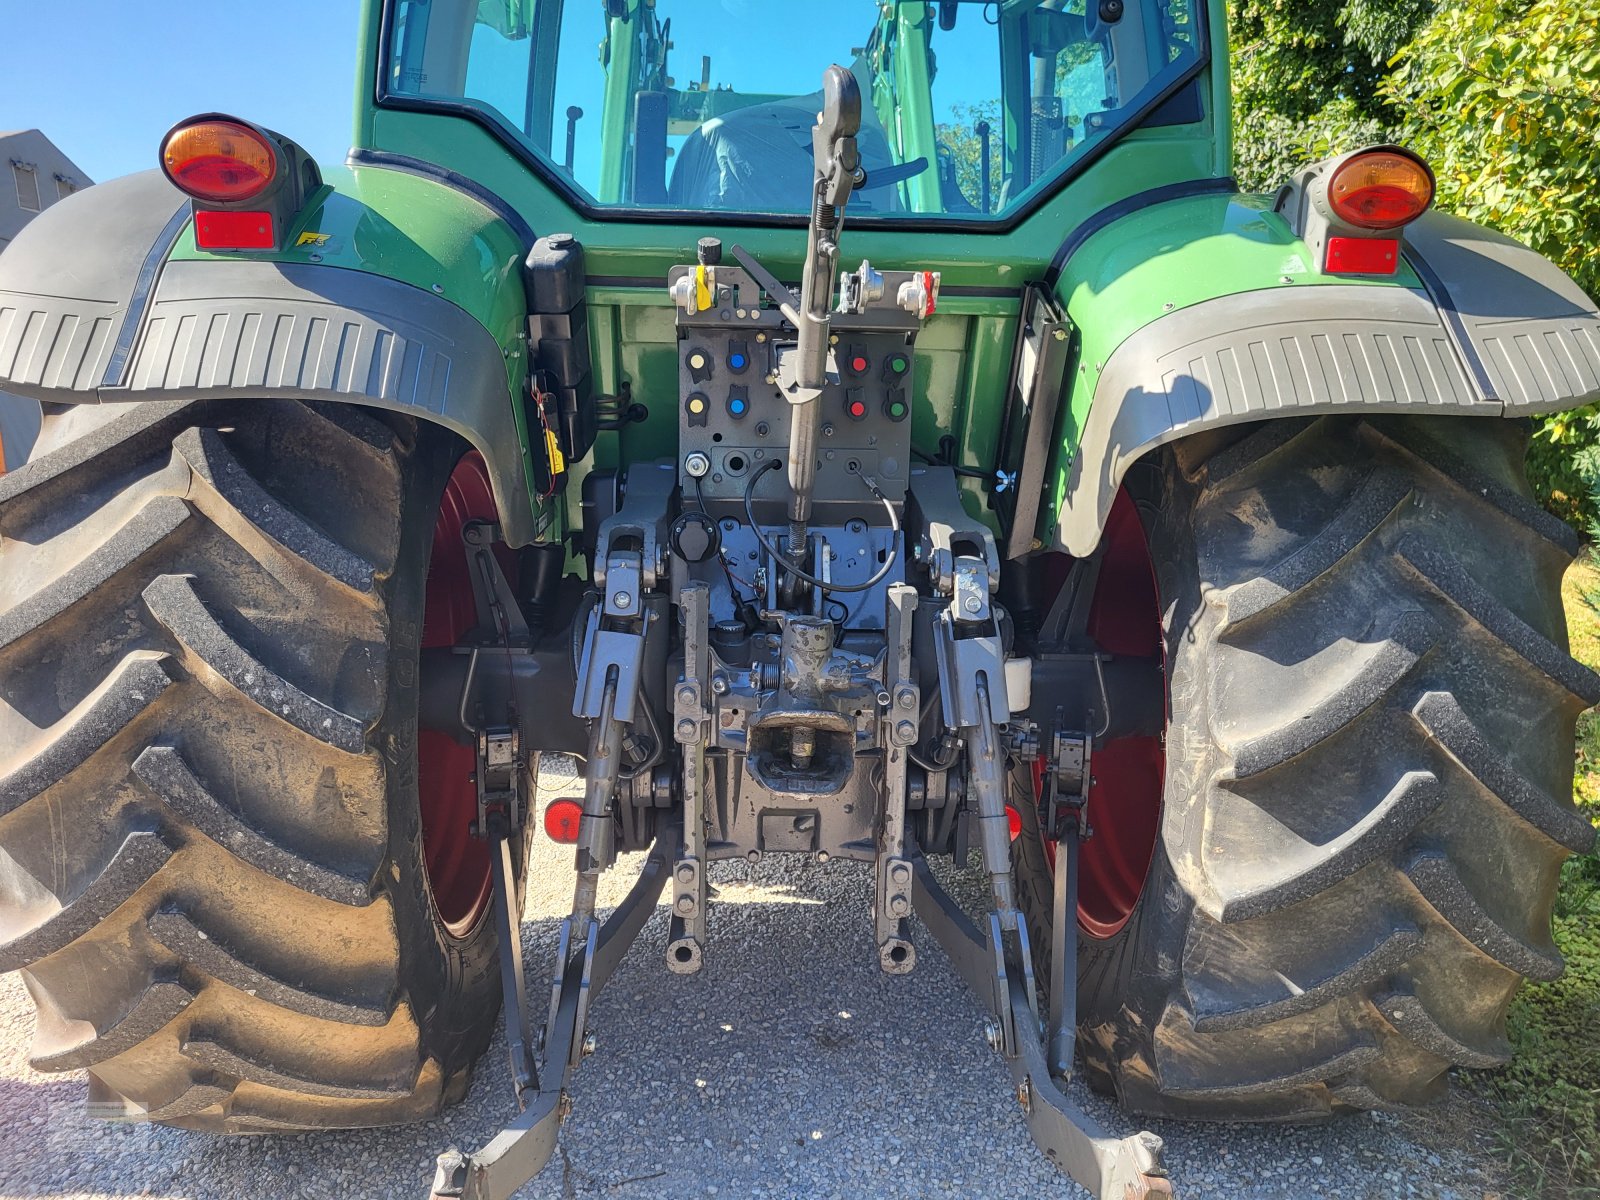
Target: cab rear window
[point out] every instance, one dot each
(970, 109)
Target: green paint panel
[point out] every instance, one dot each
(408, 228)
(420, 232)
(1166, 258)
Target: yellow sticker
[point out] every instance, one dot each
(702, 289)
(552, 449)
(313, 239)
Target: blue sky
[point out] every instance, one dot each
(105, 79)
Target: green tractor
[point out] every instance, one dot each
(909, 444)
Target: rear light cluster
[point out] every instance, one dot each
(246, 183)
(1374, 192)
(1351, 210)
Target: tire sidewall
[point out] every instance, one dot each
(451, 983)
(1125, 980)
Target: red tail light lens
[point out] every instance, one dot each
(221, 162)
(1381, 189)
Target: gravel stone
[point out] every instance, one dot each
(822, 1077)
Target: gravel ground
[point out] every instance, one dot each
(790, 1067)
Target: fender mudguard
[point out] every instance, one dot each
(395, 291)
(1208, 312)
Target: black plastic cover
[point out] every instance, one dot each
(558, 331)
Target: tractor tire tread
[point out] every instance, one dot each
(251, 928)
(1323, 928)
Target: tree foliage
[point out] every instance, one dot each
(1308, 79)
(1502, 97)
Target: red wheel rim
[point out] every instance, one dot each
(457, 863)
(1128, 772)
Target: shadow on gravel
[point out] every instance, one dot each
(790, 1067)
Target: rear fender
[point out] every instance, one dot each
(1208, 312)
(395, 291)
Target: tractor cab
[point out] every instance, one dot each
(636, 107)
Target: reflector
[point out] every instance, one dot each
(219, 161)
(1381, 189)
(233, 230)
(1362, 256)
(561, 821)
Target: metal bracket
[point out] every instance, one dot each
(901, 728)
(520, 1151)
(967, 651)
(498, 778)
(1110, 1168)
(497, 606)
(686, 937)
(1063, 817)
(609, 651)
(938, 527)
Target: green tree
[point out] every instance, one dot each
(1308, 79)
(1502, 97)
(961, 140)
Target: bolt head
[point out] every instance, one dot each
(906, 730)
(685, 905)
(686, 873)
(907, 699)
(590, 1043)
(993, 1034)
(686, 695)
(686, 728)
(900, 873)
(719, 684)
(972, 604)
(899, 906)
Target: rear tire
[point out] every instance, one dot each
(1368, 773)
(209, 629)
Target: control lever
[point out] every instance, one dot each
(803, 372)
